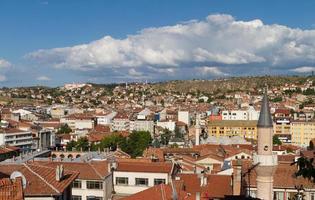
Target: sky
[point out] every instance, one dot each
(53, 42)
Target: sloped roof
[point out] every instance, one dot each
(11, 189)
(41, 180)
(144, 167)
(94, 170)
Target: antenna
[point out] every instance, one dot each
(17, 174)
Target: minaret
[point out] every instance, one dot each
(265, 160)
(197, 130)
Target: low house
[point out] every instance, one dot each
(132, 177)
(93, 182)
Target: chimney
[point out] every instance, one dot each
(59, 172)
(197, 195)
(237, 178)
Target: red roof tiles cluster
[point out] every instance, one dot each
(40, 180)
(11, 190)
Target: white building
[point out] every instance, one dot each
(183, 116)
(250, 114)
(133, 177)
(17, 138)
(94, 180)
(121, 122)
(234, 115)
(170, 125)
(105, 119)
(142, 125)
(78, 121)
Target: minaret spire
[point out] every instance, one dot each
(265, 116)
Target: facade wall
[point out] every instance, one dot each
(302, 133)
(249, 132)
(132, 188)
(170, 125)
(184, 117)
(84, 192)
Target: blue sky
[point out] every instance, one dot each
(152, 40)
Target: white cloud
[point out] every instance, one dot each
(4, 63)
(304, 69)
(133, 72)
(212, 71)
(2, 78)
(43, 78)
(217, 40)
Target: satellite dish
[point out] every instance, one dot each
(16, 174)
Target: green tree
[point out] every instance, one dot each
(165, 136)
(306, 168)
(64, 129)
(178, 133)
(137, 142)
(277, 99)
(83, 144)
(112, 142)
(70, 145)
(276, 140)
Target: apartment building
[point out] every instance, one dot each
(302, 132)
(133, 177)
(243, 128)
(250, 114)
(282, 128)
(79, 121)
(105, 118)
(121, 122)
(17, 138)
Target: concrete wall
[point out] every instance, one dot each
(131, 188)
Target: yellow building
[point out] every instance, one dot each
(302, 132)
(243, 128)
(282, 128)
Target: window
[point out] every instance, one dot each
(121, 181)
(94, 198)
(142, 181)
(77, 184)
(279, 195)
(94, 185)
(312, 195)
(158, 181)
(76, 197)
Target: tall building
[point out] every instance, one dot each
(264, 159)
(302, 132)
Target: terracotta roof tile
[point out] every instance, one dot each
(40, 179)
(11, 189)
(144, 167)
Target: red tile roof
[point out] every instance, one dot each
(41, 180)
(217, 186)
(94, 170)
(11, 189)
(159, 192)
(144, 167)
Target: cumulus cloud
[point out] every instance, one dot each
(2, 78)
(4, 63)
(133, 72)
(304, 69)
(43, 78)
(219, 40)
(212, 71)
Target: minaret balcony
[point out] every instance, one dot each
(265, 160)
